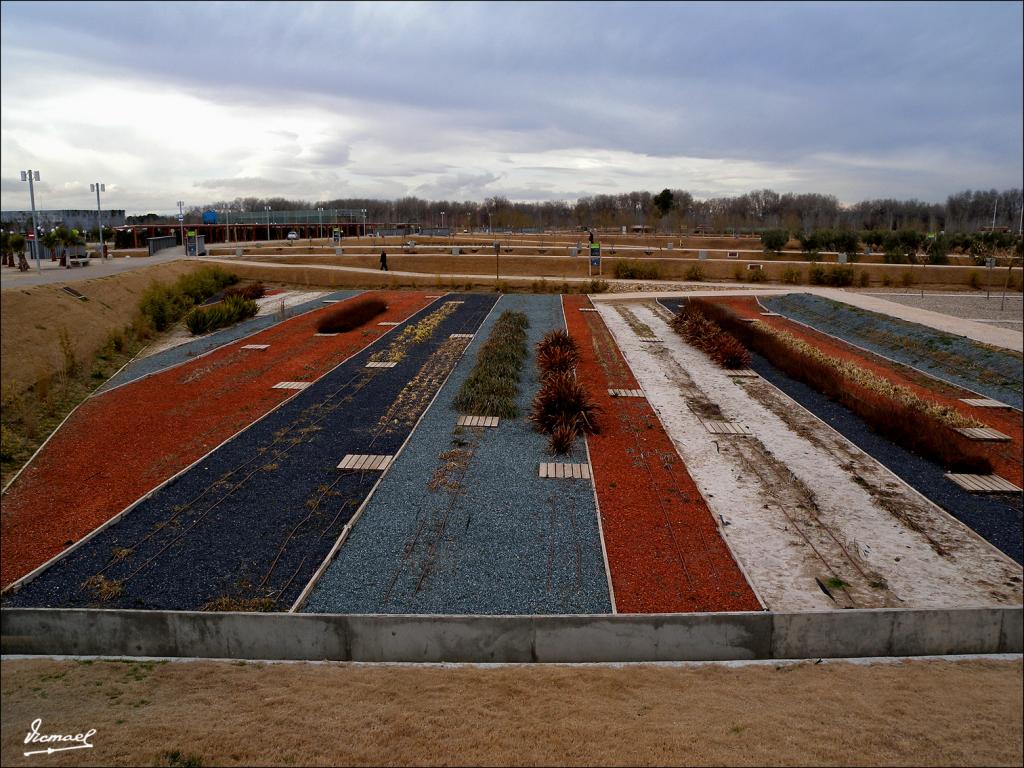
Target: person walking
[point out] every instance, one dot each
(383, 261)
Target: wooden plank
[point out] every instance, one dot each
(746, 372)
(983, 402)
(983, 483)
(372, 364)
(256, 346)
(542, 469)
(388, 324)
(983, 433)
(586, 471)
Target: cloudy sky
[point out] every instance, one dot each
(533, 101)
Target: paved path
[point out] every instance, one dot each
(53, 272)
(979, 331)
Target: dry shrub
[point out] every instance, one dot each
(350, 315)
(893, 411)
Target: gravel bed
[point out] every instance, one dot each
(665, 549)
(992, 372)
(890, 546)
(969, 306)
(256, 517)
(493, 537)
(996, 517)
(116, 448)
(181, 353)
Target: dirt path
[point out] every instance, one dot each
(816, 522)
(223, 713)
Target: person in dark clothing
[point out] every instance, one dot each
(383, 261)
(591, 233)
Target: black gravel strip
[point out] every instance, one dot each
(256, 518)
(996, 517)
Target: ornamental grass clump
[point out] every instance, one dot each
(562, 408)
(228, 312)
(493, 385)
(892, 410)
(705, 334)
(350, 315)
(251, 291)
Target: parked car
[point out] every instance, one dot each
(293, 235)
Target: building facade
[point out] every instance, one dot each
(72, 219)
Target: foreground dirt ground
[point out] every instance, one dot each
(929, 712)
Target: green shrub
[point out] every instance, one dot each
(840, 276)
(228, 312)
(907, 278)
(756, 276)
(163, 305)
(862, 279)
(694, 273)
(816, 275)
(598, 286)
(792, 275)
(627, 269)
(974, 280)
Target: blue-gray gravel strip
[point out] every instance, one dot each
(190, 350)
(503, 541)
(957, 360)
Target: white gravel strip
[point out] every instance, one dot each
(888, 563)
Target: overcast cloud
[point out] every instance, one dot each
(205, 101)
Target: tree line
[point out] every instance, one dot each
(669, 211)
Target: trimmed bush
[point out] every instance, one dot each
(350, 315)
(635, 270)
(792, 275)
(493, 385)
(694, 273)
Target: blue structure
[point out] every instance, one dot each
(209, 217)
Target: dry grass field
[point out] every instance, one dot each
(929, 712)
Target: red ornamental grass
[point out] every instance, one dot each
(251, 291)
(664, 548)
(350, 315)
(563, 405)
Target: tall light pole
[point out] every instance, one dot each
(97, 188)
(227, 225)
(31, 176)
(442, 219)
(267, 209)
(364, 222)
(181, 223)
(320, 218)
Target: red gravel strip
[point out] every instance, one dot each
(1005, 456)
(121, 444)
(664, 548)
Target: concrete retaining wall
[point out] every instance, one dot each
(676, 637)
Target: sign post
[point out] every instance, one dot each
(595, 259)
(989, 263)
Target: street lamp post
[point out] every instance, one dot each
(267, 209)
(227, 226)
(181, 223)
(97, 188)
(320, 219)
(31, 176)
(364, 222)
